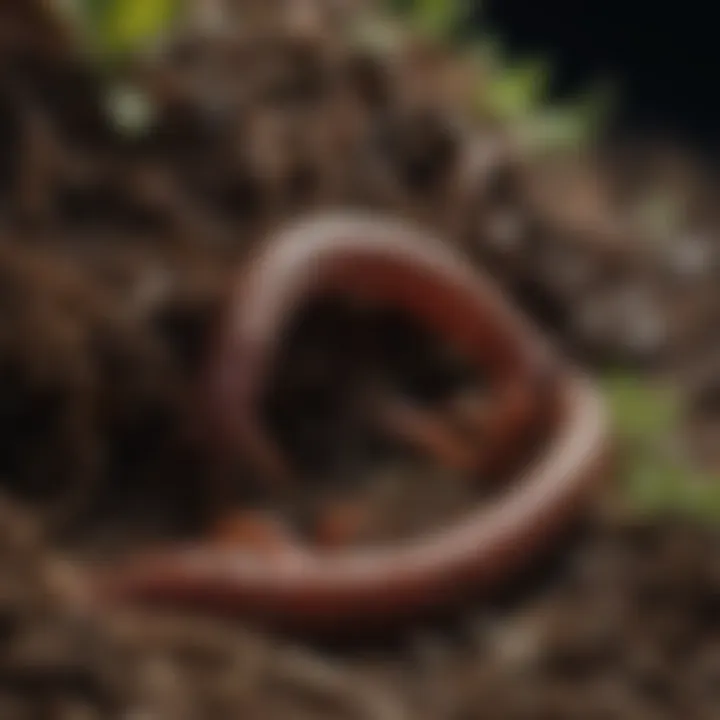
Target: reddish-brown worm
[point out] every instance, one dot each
(387, 262)
(309, 589)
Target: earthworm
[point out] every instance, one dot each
(381, 261)
(348, 589)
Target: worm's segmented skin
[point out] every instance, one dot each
(386, 262)
(397, 265)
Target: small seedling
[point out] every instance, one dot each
(657, 480)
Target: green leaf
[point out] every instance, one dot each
(438, 18)
(136, 21)
(654, 488)
(118, 26)
(654, 485)
(513, 93)
(569, 126)
(655, 481)
(641, 409)
(435, 18)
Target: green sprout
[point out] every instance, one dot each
(114, 31)
(515, 93)
(115, 28)
(655, 480)
(437, 19)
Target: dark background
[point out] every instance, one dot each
(663, 58)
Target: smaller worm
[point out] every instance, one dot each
(344, 590)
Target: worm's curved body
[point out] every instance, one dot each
(392, 264)
(331, 590)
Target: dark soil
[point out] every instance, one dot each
(117, 245)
